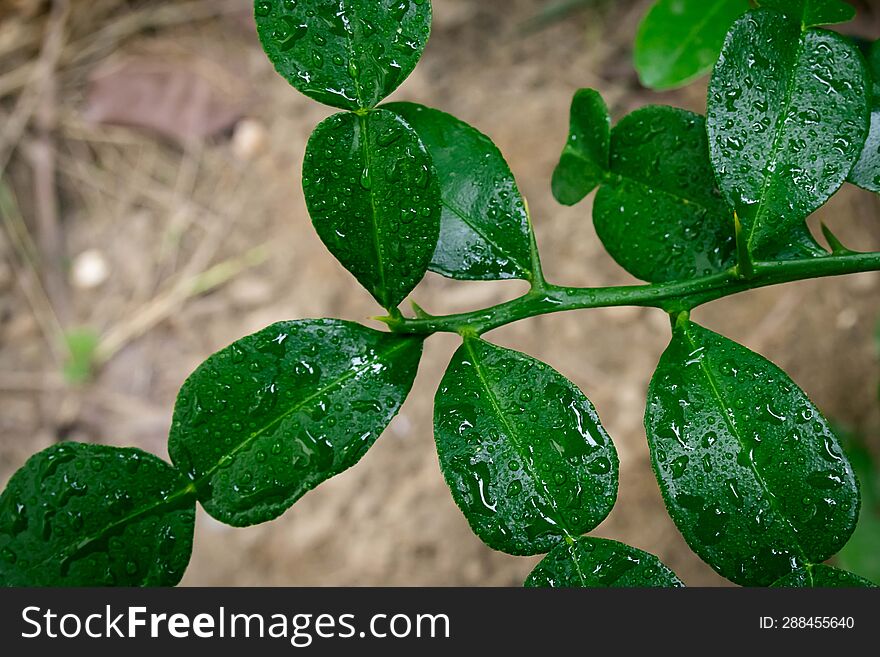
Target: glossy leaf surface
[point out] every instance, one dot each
(344, 53)
(659, 213)
(584, 160)
(787, 120)
(866, 172)
(679, 40)
(799, 243)
(813, 12)
(600, 563)
(522, 450)
(484, 229)
(276, 413)
(750, 471)
(374, 199)
(823, 577)
(92, 515)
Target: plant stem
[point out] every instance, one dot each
(677, 296)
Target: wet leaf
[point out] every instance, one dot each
(276, 413)
(799, 243)
(822, 577)
(374, 199)
(751, 472)
(659, 213)
(484, 229)
(813, 12)
(679, 40)
(589, 562)
(344, 53)
(866, 172)
(522, 450)
(584, 160)
(92, 515)
(787, 120)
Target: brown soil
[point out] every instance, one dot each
(158, 212)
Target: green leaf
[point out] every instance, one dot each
(590, 562)
(866, 172)
(92, 515)
(484, 229)
(344, 53)
(822, 577)
(522, 450)
(813, 12)
(273, 415)
(799, 243)
(584, 160)
(659, 213)
(374, 200)
(787, 120)
(679, 40)
(749, 469)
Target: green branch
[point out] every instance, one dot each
(676, 296)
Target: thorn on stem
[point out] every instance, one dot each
(537, 275)
(837, 247)
(419, 311)
(744, 267)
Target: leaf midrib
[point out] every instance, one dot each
(350, 373)
(772, 162)
(358, 92)
(374, 213)
(617, 178)
(573, 553)
(479, 231)
(514, 436)
(771, 497)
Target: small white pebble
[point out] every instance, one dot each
(847, 318)
(864, 282)
(249, 139)
(401, 426)
(90, 269)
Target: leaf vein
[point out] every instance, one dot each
(777, 138)
(479, 231)
(374, 216)
(771, 497)
(350, 373)
(514, 436)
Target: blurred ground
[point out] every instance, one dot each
(174, 241)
